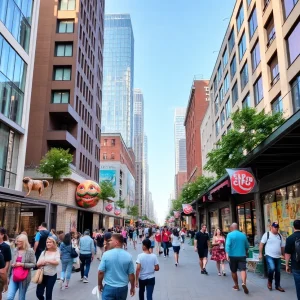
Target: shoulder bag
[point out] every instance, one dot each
(39, 274)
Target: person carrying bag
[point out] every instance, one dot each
(23, 260)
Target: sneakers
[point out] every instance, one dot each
(236, 288)
(81, 279)
(164, 256)
(61, 284)
(205, 272)
(66, 286)
(202, 272)
(219, 274)
(85, 280)
(176, 264)
(246, 291)
(223, 273)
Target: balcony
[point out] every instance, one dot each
(61, 139)
(64, 111)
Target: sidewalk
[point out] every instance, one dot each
(183, 283)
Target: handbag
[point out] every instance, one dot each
(20, 274)
(169, 245)
(73, 253)
(38, 276)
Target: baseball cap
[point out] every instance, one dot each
(107, 236)
(275, 224)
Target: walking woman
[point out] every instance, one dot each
(134, 238)
(66, 260)
(158, 241)
(182, 234)
(218, 251)
(23, 260)
(151, 238)
(165, 240)
(176, 245)
(49, 260)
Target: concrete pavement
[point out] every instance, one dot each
(184, 282)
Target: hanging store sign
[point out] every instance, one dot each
(176, 214)
(27, 214)
(117, 211)
(187, 209)
(242, 181)
(109, 207)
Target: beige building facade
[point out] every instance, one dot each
(257, 66)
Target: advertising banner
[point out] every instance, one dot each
(109, 206)
(242, 181)
(187, 208)
(117, 211)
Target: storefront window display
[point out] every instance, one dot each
(282, 206)
(213, 216)
(225, 219)
(246, 216)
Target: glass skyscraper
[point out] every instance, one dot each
(118, 75)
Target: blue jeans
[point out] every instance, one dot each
(149, 285)
(14, 287)
(296, 274)
(86, 260)
(66, 267)
(166, 249)
(114, 293)
(274, 265)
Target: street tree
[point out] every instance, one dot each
(107, 190)
(56, 164)
(250, 128)
(133, 211)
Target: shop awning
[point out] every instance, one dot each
(221, 185)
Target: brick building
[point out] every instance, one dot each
(118, 167)
(197, 106)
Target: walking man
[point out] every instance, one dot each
(236, 248)
(86, 248)
(116, 270)
(146, 265)
(292, 251)
(3, 276)
(40, 240)
(202, 244)
(5, 253)
(273, 244)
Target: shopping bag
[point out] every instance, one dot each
(38, 276)
(96, 292)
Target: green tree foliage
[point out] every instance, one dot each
(120, 203)
(56, 163)
(250, 128)
(107, 190)
(133, 211)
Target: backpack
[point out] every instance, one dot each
(268, 235)
(297, 250)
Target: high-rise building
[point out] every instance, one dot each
(18, 31)
(145, 207)
(138, 138)
(66, 102)
(117, 103)
(197, 106)
(151, 207)
(180, 150)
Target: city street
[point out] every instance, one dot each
(184, 282)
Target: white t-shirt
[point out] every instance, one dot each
(274, 244)
(50, 270)
(175, 240)
(147, 261)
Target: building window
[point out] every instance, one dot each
(258, 91)
(113, 142)
(225, 58)
(295, 84)
(64, 49)
(293, 43)
(226, 84)
(255, 56)
(244, 76)
(277, 106)
(216, 105)
(112, 156)
(240, 18)
(288, 6)
(221, 93)
(222, 118)
(228, 109)
(105, 142)
(60, 97)
(67, 4)
(246, 102)
(235, 94)
(104, 156)
(65, 26)
(274, 70)
(219, 73)
(62, 73)
(270, 29)
(252, 23)
(217, 127)
(233, 67)
(231, 41)
(242, 46)
(215, 85)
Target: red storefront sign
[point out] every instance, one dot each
(187, 209)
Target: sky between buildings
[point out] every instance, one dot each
(174, 41)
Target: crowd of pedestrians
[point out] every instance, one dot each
(117, 270)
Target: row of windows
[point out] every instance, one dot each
(85, 67)
(107, 142)
(86, 46)
(106, 157)
(16, 16)
(85, 91)
(97, 153)
(83, 113)
(86, 141)
(85, 165)
(96, 174)
(97, 132)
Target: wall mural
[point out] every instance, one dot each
(87, 194)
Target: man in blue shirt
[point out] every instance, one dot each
(116, 270)
(236, 248)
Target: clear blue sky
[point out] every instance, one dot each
(174, 40)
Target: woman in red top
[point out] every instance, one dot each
(165, 240)
(157, 241)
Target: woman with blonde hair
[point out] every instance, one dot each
(23, 260)
(49, 260)
(218, 251)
